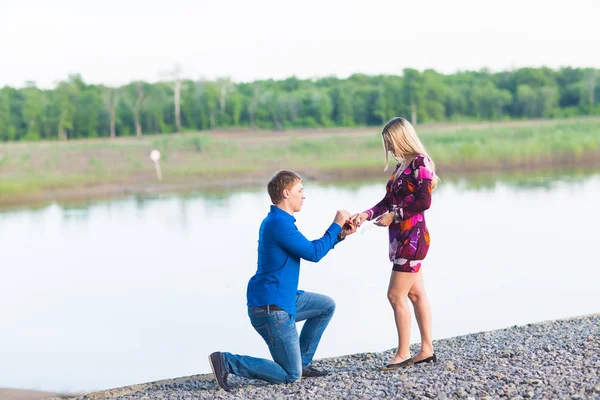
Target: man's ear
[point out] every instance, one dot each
(286, 193)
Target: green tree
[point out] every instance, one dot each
(341, 98)
(66, 96)
(414, 93)
(7, 129)
(133, 96)
(489, 102)
(32, 110)
(90, 108)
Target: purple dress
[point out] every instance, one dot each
(408, 195)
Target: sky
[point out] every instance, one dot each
(114, 42)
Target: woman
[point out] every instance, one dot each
(408, 195)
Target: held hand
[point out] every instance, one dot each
(341, 216)
(385, 220)
(348, 229)
(358, 219)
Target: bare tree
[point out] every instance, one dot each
(111, 100)
(174, 78)
(177, 99)
(226, 87)
(66, 93)
(253, 105)
(200, 91)
(294, 105)
(135, 105)
(591, 85)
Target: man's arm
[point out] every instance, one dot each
(290, 239)
(294, 242)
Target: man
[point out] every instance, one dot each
(274, 302)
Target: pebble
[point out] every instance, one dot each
(553, 359)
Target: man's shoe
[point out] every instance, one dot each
(310, 372)
(218, 368)
(433, 359)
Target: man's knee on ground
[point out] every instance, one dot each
(294, 376)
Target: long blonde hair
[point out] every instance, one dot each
(403, 144)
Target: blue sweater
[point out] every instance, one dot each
(280, 248)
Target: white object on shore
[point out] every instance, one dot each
(155, 157)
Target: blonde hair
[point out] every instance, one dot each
(403, 144)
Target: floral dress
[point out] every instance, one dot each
(408, 195)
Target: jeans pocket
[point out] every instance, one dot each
(281, 317)
(265, 333)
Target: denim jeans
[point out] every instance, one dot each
(278, 328)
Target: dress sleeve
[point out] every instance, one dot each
(380, 208)
(384, 205)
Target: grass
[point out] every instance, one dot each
(210, 158)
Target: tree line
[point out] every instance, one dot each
(75, 109)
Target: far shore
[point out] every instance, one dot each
(33, 173)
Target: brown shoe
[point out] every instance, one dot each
(218, 368)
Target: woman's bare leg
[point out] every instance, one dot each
(420, 302)
(400, 285)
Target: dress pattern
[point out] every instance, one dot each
(408, 195)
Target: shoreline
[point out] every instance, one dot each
(42, 172)
(254, 180)
(549, 359)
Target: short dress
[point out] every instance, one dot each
(408, 195)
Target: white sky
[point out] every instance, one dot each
(118, 41)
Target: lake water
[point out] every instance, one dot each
(129, 291)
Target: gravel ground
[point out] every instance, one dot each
(548, 360)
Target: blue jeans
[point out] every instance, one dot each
(278, 328)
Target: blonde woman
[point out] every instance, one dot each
(408, 195)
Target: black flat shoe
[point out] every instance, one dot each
(406, 363)
(310, 372)
(433, 358)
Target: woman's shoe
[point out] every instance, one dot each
(406, 363)
(433, 358)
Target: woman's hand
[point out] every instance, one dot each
(348, 229)
(358, 219)
(385, 219)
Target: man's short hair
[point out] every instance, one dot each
(283, 179)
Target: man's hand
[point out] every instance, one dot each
(341, 217)
(358, 219)
(385, 220)
(348, 229)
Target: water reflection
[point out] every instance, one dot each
(133, 290)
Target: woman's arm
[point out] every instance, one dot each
(380, 208)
